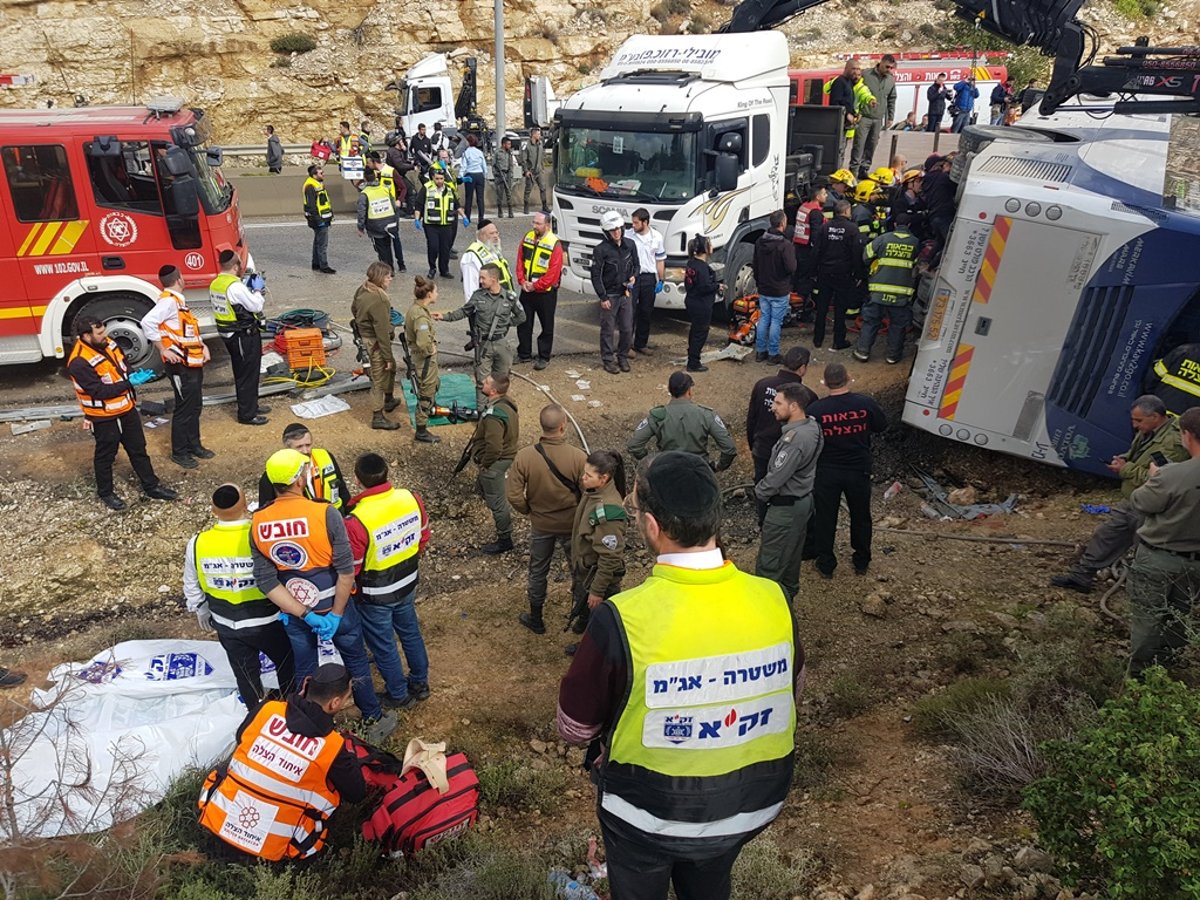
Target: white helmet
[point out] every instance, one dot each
(612, 219)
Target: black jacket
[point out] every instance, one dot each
(937, 100)
(839, 250)
(937, 190)
(841, 93)
(762, 428)
(701, 282)
(774, 264)
(612, 267)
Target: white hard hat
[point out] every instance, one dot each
(612, 219)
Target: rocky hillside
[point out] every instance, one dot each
(217, 54)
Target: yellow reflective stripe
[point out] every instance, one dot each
(69, 237)
(28, 239)
(890, 289)
(21, 312)
(897, 263)
(44, 239)
(1178, 383)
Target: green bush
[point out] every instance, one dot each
(1137, 9)
(934, 716)
(515, 785)
(849, 695)
(295, 42)
(765, 872)
(1121, 802)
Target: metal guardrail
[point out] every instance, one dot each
(242, 150)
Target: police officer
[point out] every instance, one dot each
(304, 565)
(422, 342)
(682, 789)
(493, 447)
(288, 809)
(1176, 378)
(1164, 580)
(495, 310)
(438, 214)
(219, 586)
(377, 219)
(1154, 432)
(323, 480)
(787, 490)
(838, 259)
(175, 332)
(484, 249)
(683, 425)
(237, 311)
(891, 262)
(504, 169)
(101, 378)
(762, 428)
(539, 267)
(318, 213)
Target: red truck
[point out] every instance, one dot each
(93, 202)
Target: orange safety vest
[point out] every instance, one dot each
(110, 367)
(802, 235)
(184, 340)
(273, 799)
(291, 533)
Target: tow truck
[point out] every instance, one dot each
(93, 201)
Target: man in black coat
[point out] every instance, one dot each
(614, 270)
(937, 94)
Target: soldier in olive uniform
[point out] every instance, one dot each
(493, 447)
(422, 344)
(683, 425)
(598, 538)
(787, 490)
(504, 171)
(496, 311)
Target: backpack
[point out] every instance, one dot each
(436, 798)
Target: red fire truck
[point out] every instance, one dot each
(914, 73)
(92, 203)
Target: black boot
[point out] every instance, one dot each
(379, 422)
(498, 546)
(424, 436)
(390, 403)
(533, 621)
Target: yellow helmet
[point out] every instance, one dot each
(910, 175)
(845, 176)
(866, 190)
(884, 176)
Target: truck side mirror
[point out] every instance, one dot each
(214, 156)
(726, 171)
(186, 197)
(102, 147)
(175, 162)
(730, 142)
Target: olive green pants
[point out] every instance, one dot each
(491, 485)
(1162, 589)
(428, 381)
(383, 379)
(783, 531)
(495, 357)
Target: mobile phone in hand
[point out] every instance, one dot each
(1159, 459)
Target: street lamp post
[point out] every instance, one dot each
(499, 5)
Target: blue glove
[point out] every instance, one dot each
(255, 282)
(315, 622)
(658, 288)
(332, 622)
(466, 220)
(141, 376)
(284, 618)
(467, 179)
(417, 224)
(397, 317)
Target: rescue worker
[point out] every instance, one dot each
(493, 447)
(318, 213)
(614, 271)
(763, 430)
(504, 169)
(1154, 431)
(787, 490)
(347, 145)
(1164, 580)
(175, 332)
(539, 270)
(598, 538)
(544, 484)
(683, 425)
(908, 199)
(388, 529)
(838, 259)
(238, 313)
(533, 167)
(323, 481)
(847, 421)
(437, 214)
(377, 219)
(809, 218)
(495, 311)
(219, 587)
(841, 93)
(486, 248)
(372, 312)
(841, 187)
(422, 347)
(401, 170)
(862, 213)
(652, 263)
(101, 379)
(271, 803)
(892, 282)
(304, 565)
(876, 116)
(1176, 378)
(680, 790)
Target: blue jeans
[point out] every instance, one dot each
(771, 311)
(349, 643)
(960, 119)
(381, 625)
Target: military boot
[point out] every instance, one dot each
(498, 546)
(390, 403)
(378, 421)
(425, 436)
(533, 620)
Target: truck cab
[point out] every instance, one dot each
(426, 95)
(93, 201)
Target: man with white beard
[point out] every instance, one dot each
(483, 250)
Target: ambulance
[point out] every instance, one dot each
(93, 201)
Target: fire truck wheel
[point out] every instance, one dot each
(121, 314)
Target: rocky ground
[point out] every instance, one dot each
(878, 809)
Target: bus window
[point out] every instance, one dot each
(40, 182)
(127, 181)
(814, 92)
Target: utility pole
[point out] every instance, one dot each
(499, 5)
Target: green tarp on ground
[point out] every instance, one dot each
(455, 388)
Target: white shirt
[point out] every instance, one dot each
(650, 249)
(699, 559)
(470, 264)
(240, 295)
(192, 592)
(165, 311)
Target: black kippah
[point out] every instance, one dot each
(482, 224)
(682, 483)
(332, 675)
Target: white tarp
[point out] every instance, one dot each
(108, 738)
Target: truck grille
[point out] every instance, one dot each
(1090, 342)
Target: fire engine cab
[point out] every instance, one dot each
(93, 201)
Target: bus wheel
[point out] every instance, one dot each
(122, 315)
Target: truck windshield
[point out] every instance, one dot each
(628, 164)
(215, 192)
